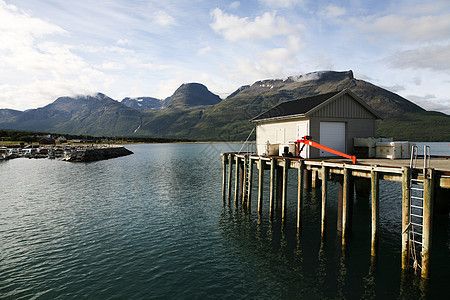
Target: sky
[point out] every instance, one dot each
(123, 48)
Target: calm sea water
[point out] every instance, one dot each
(153, 225)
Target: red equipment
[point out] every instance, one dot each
(307, 141)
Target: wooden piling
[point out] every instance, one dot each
(375, 210)
(244, 181)
(260, 185)
(406, 178)
(340, 182)
(279, 188)
(345, 206)
(324, 173)
(301, 172)
(236, 181)
(224, 178)
(272, 186)
(284, 190)
(427, 222)
(315, 182)
(230, 168)
(307, 180)
(249, 183)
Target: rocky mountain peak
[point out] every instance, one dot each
(192, 94)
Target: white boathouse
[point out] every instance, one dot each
(331, 119)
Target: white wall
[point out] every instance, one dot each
(278, 133)
(287, 131)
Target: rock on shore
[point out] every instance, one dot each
(95, 154)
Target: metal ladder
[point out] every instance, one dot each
(247, 178)
(416, 192)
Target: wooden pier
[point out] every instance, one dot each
(433, 183)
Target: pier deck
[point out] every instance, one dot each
(441, 164)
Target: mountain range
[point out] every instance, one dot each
(193, 112)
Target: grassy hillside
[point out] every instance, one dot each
(424, 127)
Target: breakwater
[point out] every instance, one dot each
(81, 153)
(95, 154)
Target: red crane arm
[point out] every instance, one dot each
(307, 141)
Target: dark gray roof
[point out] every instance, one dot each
(295, 107)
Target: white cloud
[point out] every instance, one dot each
(235, 5)
(35, 67)
(417, 81)
(277, 61)
(123, 42)
(394, 88)
(414, 29)
(430, 102)
(333, 11)
(103, 49)
(262, 27)
(112, 65)
(428, 8)
(204, 50)
(163, 18)
(155, 67)
(430, 57)
(17, 27)
(17, 96)
(281, 3)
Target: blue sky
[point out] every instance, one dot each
(149, 48)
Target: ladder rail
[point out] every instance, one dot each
(416, 209)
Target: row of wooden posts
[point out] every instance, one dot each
(309, 173)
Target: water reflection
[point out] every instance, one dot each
(334, 270)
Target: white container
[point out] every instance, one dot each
(391, 150)
(406, 149)
(272, 149)
(291, 148)
(366, 142)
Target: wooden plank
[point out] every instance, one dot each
(443, 182)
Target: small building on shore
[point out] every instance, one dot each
(47, 141)
(331, 119)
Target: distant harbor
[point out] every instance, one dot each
(78, 153)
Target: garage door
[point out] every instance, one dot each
(332, 135)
